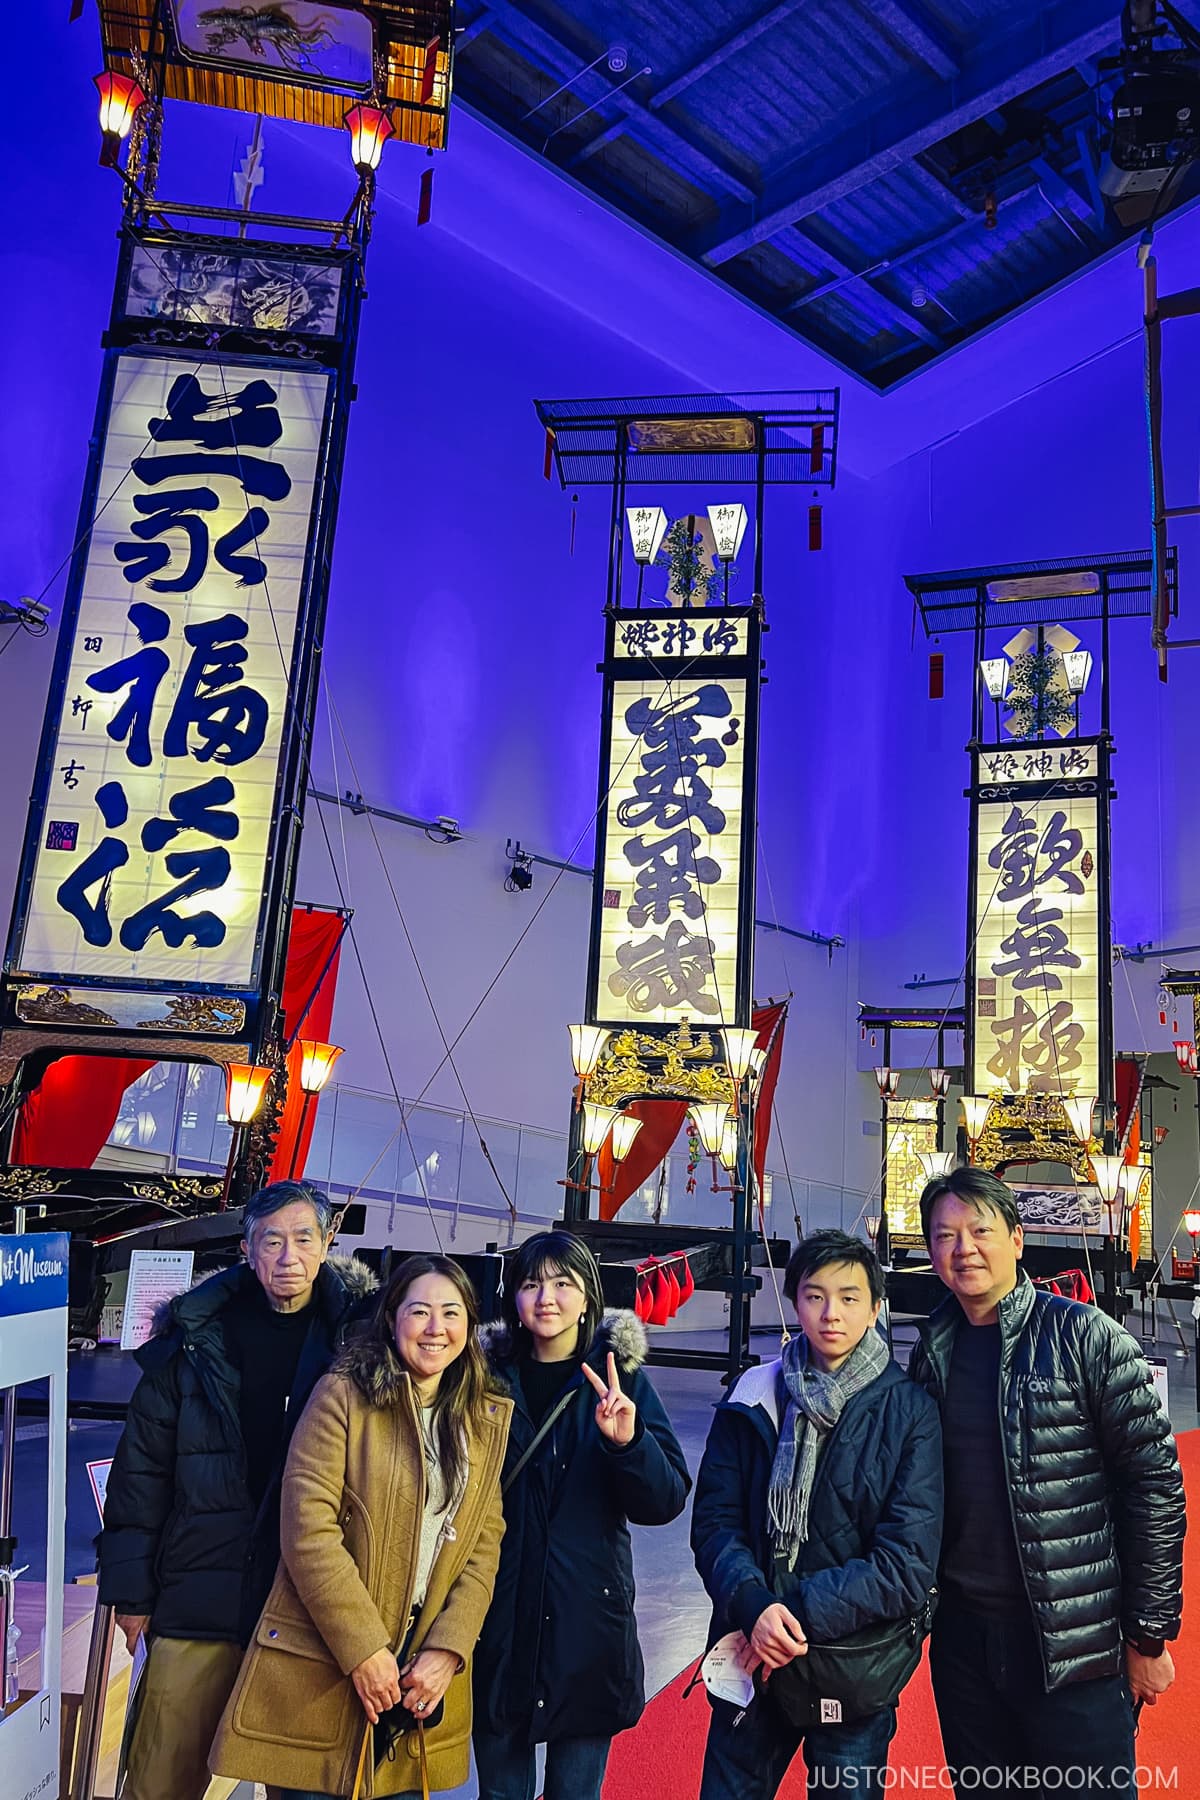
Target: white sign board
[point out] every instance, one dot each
(155, 1277)
(161, 798)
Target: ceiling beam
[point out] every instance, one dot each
(908, 23)
(992, 74)
(938, 189)
(877, 306)
(722, 49)
(676, 148)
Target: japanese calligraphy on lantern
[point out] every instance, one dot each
(160, 791)
(1038, 956)
(672, 872)
(692, 633)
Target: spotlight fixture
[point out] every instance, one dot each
(618, 59)
(520, 874)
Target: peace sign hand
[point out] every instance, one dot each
(616, 1415)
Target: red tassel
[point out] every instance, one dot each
(937, 675)
(425, 202)
(673, 1285)
(816, 450)
(689, 1283)
(642, 1301)
(429, 72)
(814, 528)
(548, 459)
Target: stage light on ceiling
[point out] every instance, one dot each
(520, 873)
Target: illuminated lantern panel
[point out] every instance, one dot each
(1038, 967)
(369, 128)
(316, 1064)
(245, 1084)
(120, 97)
(728, 529)
(647, 529)
(911, 1129)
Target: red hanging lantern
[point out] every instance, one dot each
(120, 97)
(370, 128)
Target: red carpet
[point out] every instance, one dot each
(661, 1758)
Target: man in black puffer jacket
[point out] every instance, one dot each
(191, 1518)
(1062, 1564)
(818, 1513)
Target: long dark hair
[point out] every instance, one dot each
(554, 1251)
(465, 1385)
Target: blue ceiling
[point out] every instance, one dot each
(887, 178)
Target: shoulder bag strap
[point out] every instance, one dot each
(362, 1762)
(547, 1425)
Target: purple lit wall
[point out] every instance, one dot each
(463, 631)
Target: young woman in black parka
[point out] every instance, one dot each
(558, 1662)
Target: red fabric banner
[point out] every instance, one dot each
(309, 984)
(66, 1121)
(662, 1119)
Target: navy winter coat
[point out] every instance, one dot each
(1093, 1476)
(181, 1540)
(559, 1656)
(875, 1515)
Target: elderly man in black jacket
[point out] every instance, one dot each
(818, 1514)
(191, 1518)
(1062, 1561)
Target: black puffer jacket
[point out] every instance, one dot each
(181, 1540)
(875, 1515)
(559, 1655)
(1094, 1480)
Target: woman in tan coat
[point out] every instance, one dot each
(390, 1530)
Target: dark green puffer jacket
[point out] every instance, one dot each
(1094, 1479)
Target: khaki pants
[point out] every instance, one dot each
(184, 1689)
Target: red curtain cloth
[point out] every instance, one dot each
(65, 1122)
(309, 984)
(662, 1119)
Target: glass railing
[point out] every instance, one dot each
(404, 1162)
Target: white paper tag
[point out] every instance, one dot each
(831, 1712)
(723, 1670)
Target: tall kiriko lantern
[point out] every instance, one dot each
(159, 863)
(668, 1014)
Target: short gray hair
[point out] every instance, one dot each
(279, 1194)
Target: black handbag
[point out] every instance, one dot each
(832, 1684)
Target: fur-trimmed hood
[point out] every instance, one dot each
(375, 1369)
(621, 1331)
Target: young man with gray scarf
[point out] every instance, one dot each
(818, 1513)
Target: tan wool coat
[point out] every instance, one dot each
(353, 1496)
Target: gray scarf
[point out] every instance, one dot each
(815, 1402)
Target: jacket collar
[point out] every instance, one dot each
(620, 1331)
(196, 1314)
(940, 1329)
(760, 1393)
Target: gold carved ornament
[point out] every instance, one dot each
(636, 1065)
(1046, 1135)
